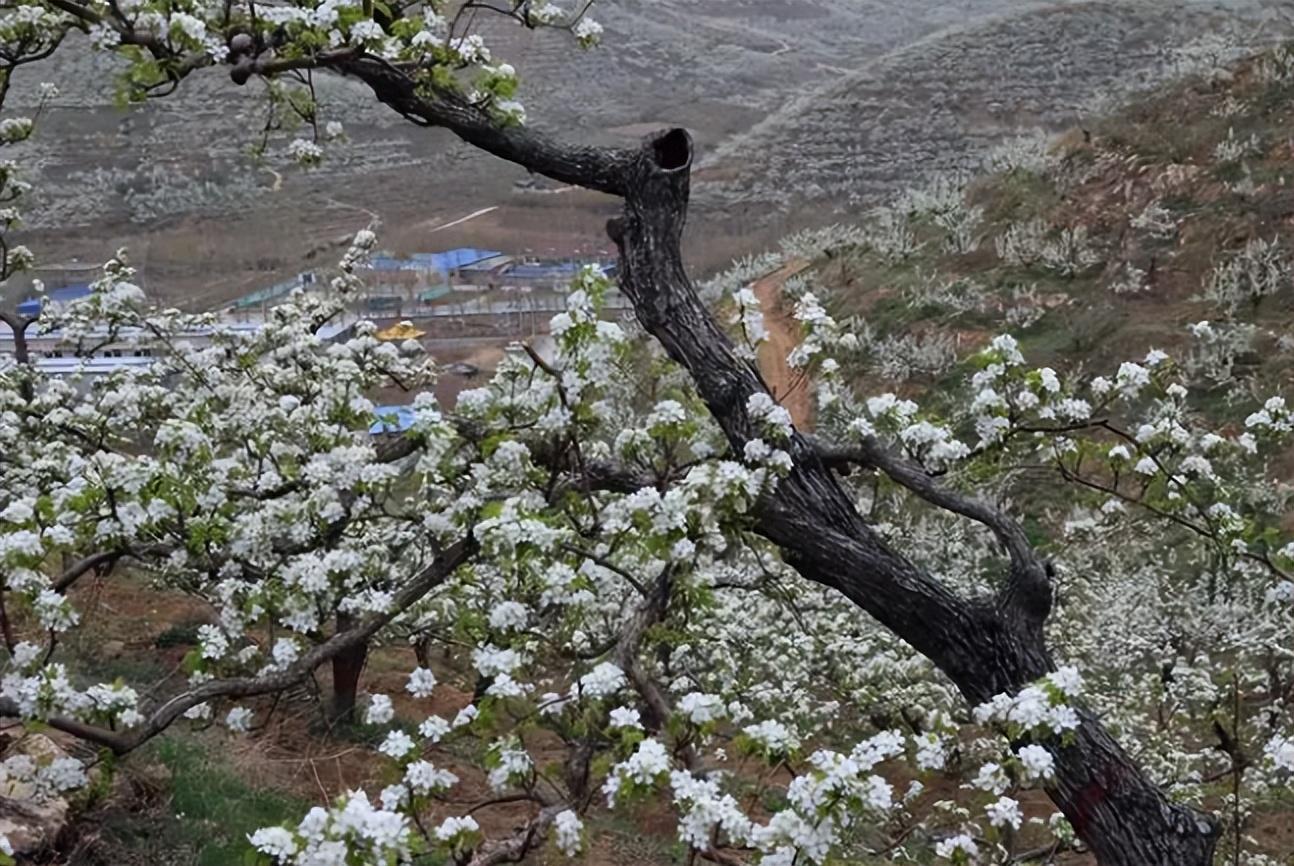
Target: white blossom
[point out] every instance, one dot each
(569, 831)
(1005, 812)
(380, 710)
(1036, 762)
(421, 683)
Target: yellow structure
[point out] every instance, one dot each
(400, 331)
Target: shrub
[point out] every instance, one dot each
(956, 296)
(1028, 153)
(1276, 67)
(1031, 244)
(1131, 280)
(1233, 149)
(889, 236)
(1258, 270)
(1217, 347)
(1156, 221)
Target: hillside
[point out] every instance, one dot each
(938, 104)
(155, 176)
(173, 181)
(1119, 236)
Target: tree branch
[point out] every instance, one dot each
(650, 611)
(121, 742)
(809, 515)
(1030, 585)
(515, 848)
(597, 168)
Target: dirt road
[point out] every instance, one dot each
(790, 388)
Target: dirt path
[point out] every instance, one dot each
(458, 222)
(789, 387)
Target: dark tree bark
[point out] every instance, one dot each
(985, 646)
(347, 666)
(1115, 809)
(18, 325)
(597, 168)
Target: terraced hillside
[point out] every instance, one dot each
(1167, 224)
(153, 178)
(938, 104)
(797, 100)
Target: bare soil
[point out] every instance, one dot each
(790, 387)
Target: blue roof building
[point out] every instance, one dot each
(450, 260)
(33, 306)
(391, 419)
(458, 258)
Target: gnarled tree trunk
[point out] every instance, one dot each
(985, 646)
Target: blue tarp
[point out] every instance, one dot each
(391, 419)
(32, 306)
(443, 262)
(493, 263)
(457, 258)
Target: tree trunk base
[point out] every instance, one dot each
(346, 669)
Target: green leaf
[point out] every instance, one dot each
(192, 661)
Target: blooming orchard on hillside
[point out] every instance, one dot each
(228, 500)
(590, 533)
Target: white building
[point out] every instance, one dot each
(53, 355)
